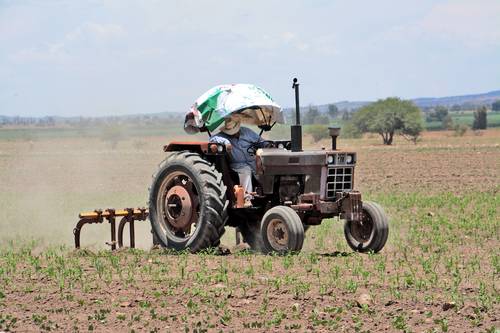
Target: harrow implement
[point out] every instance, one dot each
(128, 215)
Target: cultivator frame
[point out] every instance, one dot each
(128, 215)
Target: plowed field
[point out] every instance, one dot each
(439, 272)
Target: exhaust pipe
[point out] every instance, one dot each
(296, 130)
(334, 133)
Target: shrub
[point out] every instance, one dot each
(460, 129)
(318, 132)
(349, 131)
(447, 122)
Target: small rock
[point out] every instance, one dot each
(125, 304)
(364, 299)
(241, 247)
(263, 279)
(243, 302)
(448, 305)
(431, 214)
(223, 250)
(468, 311)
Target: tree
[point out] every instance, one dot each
(389, 117)
(496, 105)
(438, 113)
(311, 114)
(346, 115)
(333, 111)
(480, 119)
(441, 112)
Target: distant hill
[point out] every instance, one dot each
(470, 101)
(426, 102)
(474, 100)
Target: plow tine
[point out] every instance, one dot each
(76, 232)
(132, 234)
(111, 220)
(123, 221)
(129, 215)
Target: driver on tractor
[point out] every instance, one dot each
(242, 141)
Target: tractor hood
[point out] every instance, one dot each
(281, 161)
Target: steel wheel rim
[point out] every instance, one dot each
(362, 230)
(178, 206)
(278, 234)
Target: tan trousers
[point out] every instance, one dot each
(245, 175)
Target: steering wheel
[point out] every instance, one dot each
(260, 144)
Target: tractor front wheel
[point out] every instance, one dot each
(187, 203)
(371, 232)
(281, 230)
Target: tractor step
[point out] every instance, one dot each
(128, 215)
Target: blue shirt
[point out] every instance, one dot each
(240, 158)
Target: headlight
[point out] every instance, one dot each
(330, 159)
(281, 146)
(348, 159)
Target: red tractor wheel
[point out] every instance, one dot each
(187, 203)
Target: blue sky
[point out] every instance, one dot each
(105, 57)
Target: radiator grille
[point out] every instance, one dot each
(338, 180)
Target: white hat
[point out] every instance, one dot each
(231, 126)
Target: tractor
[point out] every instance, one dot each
(195, 195)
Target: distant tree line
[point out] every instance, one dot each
(443, 114)
(28, 121)
(134, 120)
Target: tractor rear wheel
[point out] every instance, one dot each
(281, 230)
(187, 203)
(369, 234)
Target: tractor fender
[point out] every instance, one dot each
(200, 147)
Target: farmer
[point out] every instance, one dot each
(240, 138)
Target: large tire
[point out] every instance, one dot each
(185, 175)
(371, 234)
(281, 231)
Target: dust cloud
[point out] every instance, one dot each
(45, 184)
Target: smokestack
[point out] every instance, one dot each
(334, 133)
(296, 130)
